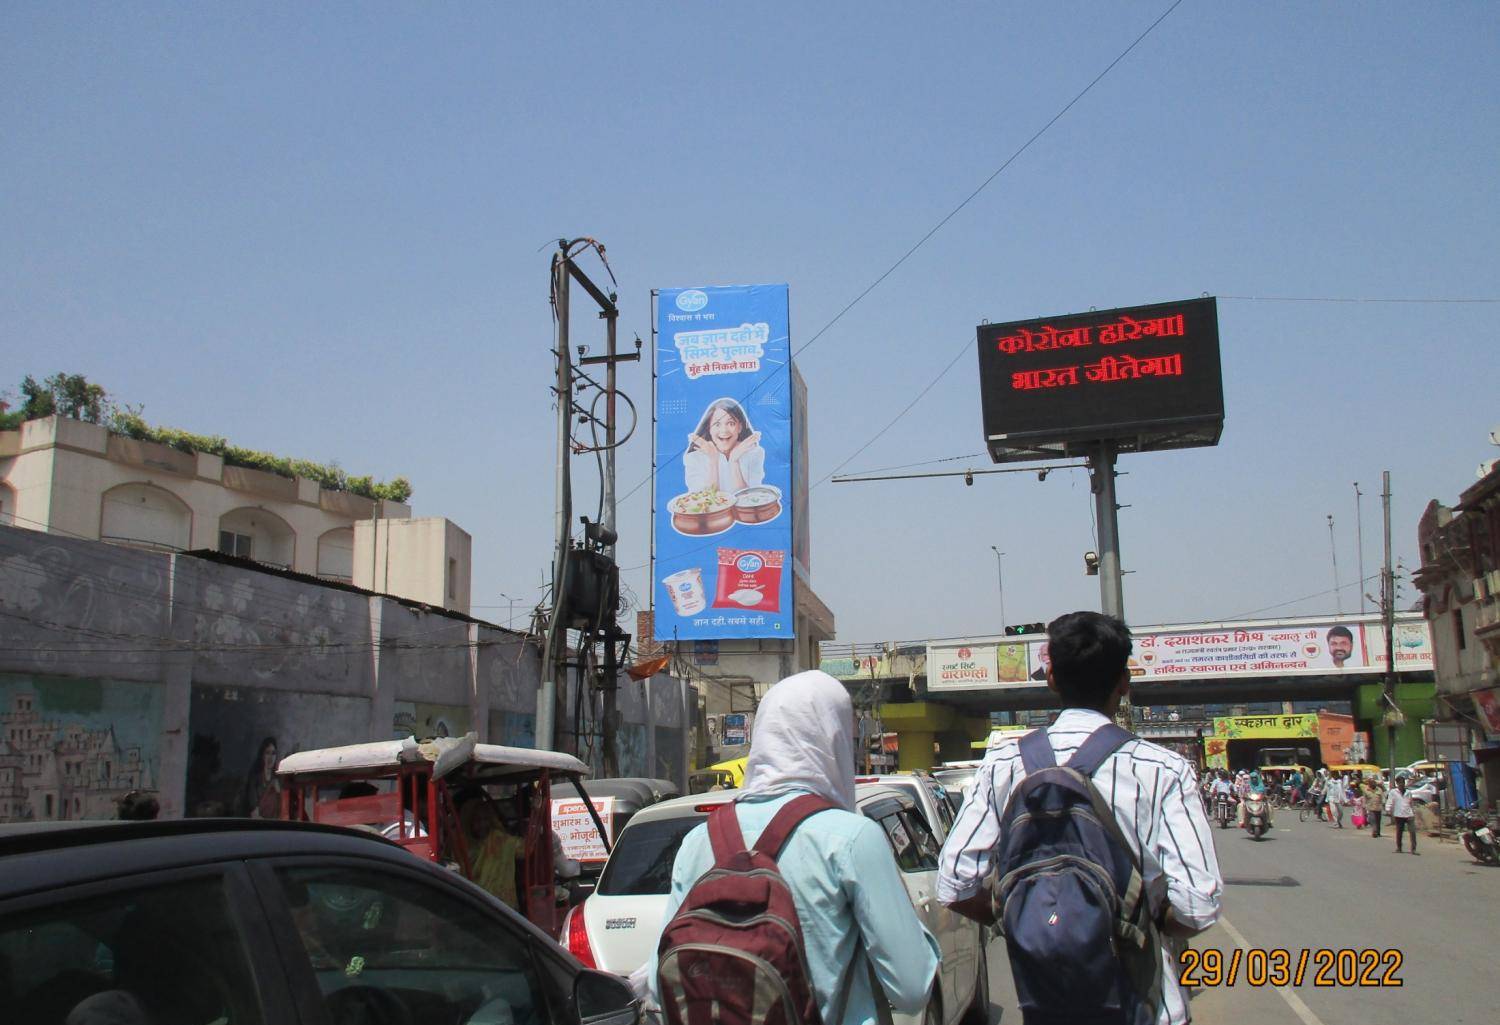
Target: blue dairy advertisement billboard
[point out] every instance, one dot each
(724, 508)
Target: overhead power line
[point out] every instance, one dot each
(938, 227)
(1335, 299)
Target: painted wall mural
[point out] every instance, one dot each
(71, 748)
(424, 721)
(239, 734)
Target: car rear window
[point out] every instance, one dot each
(641, 863)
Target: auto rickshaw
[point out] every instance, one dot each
(406, 790)
(616, 801)
(728, 775)
(1350, 768)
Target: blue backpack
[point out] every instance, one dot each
(1070, 898)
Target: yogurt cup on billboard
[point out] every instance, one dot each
(686, 588)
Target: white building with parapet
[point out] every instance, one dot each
(79, 479)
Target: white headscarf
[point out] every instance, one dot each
(803, 740)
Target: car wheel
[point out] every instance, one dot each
(978, 1012)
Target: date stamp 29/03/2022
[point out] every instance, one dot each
(1324, 967)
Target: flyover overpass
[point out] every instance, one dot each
(942, 686)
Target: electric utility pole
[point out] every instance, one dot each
(585, 577)
(609, 625)
(1388, 608)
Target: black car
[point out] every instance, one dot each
(234, 922)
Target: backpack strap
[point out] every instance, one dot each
(792, 814)
(1102, 743)
(728, 840)
(1036, 752)
(724, 833)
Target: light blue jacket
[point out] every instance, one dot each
(847, 887)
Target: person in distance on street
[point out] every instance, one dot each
(1399, 807)
(858, 926)
(1168, 847)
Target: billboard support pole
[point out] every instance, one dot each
(1111, 578)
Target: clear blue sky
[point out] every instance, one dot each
(317, 233)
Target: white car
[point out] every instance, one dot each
(931, 797)
(616, 927)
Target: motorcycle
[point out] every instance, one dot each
(1481, 842)
(1224, 810)
(1257, 815)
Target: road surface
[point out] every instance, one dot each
(1310, 886)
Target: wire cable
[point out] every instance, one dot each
(995, 174)
(962, 349)
(1329, 299)
(948, 217)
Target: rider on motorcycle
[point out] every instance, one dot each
(1222, 789)
(1256, 785)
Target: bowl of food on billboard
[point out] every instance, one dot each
(697, 513)
(759, 504)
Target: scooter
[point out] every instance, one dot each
(1481, 842)
(1257, 815)
(1224, 810)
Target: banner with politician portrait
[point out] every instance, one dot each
(724, 464)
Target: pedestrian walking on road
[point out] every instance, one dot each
(1374, 797)
(1335, 795)
(1155, 817)
(858, 928)
(1398, 807)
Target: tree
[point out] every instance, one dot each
(69, 395)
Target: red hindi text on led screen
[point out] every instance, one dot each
(1103, 374)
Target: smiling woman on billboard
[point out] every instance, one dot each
(724, 451)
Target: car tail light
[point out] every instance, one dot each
(576, 937)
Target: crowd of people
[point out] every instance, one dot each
(1371, 800)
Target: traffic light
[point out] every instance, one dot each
(1017, 629)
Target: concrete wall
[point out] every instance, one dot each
(181, 674)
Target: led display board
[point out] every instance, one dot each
(1143, 377)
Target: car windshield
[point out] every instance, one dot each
(642, 860)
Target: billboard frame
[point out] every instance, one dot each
(1154, 434)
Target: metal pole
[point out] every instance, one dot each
(1111, 582)
(1388, 607)
(1000, 579)
(1111, 578)
(607, 738)
(1333, 550)
(554, 668)
(1359, 541)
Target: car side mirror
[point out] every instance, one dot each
(604, 999)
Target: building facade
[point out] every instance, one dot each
(1460, 583)
(79, 480)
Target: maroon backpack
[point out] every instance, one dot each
(733, 953)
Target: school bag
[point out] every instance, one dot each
(1070, 899)
(734, 952)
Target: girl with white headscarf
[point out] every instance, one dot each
(857, 918)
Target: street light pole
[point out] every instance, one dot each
(1359, 541)
(1000, 579)
(510, 613)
